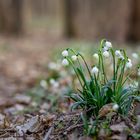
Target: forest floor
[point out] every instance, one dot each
(23, 63)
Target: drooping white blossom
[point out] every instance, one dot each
(115, 107)
(54, 83)
(95, 70)
(52, 66)
(106, 54)
(129, 64)
(74, 57)
(43, 84)
(108, 44)
(135, 55)
(65, 53)
(118, 53)
(96, 56)
(65, 62)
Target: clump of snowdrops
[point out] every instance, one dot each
(96, 89)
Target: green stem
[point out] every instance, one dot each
(102, 67)
(114, 70)
(75, 71)
(86, 65)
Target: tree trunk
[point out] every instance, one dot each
(11, 16)
(68, 27)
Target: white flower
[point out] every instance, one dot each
(121, 57)
(95, 70)
(108, 44)
(43, 84)
(54, 83)
(135, 55)
(106, 54)
(96, 56)
(105, 48)
(65, 62)
(115, 107)
(118, 53)
(52, 66)
(129, 60)
(128, 64)
(65, 53)
(74, 57)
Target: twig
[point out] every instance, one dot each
(7, 130)
(48, 133)
(73, 127)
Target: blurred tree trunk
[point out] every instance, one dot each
(134, 30)
(68, 27)
(11, 16)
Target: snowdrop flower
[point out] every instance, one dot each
(129, 60)
(121, 57)
(106, 54)
(65, 62)
(115, 107)
(96, 56)
(105, 49)
(108, 44)
(118, 53)
(135, 55)
(43, 84)
(95, 70)
(54, 83)
(74, 57)
(65, 53)
(128, 64)
(52, 66)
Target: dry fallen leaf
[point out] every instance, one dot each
(105, 110)
(31, 125)
(4, 122)
(118, 127)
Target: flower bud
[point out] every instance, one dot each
(65, 62)
(128, 64)
(115, 107)
(118, 53)
(108, 44)
(135, 55)
(95, 70)
(65, 53)
(106, 54)
(74, 57)
(96, 56)
(43, 84)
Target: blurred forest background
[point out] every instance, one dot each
(85, 19)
